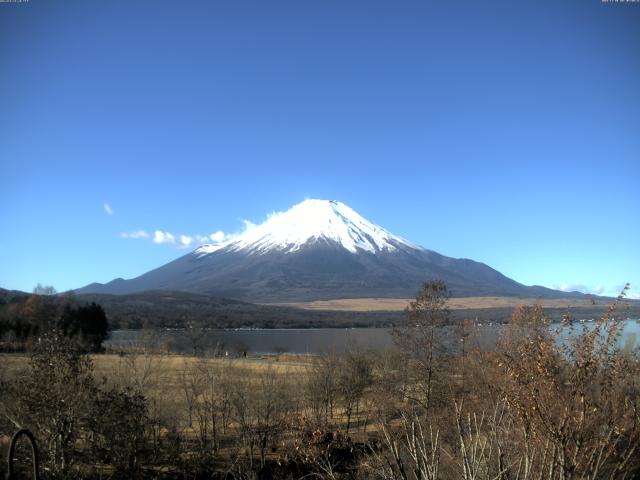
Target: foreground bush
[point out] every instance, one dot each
(540, 407)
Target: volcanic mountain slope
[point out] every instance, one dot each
(318, 250)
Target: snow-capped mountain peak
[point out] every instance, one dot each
(317, 250)
(309, 221)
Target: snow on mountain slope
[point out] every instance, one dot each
(310, 221)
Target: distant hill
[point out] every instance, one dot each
(164, 309)
(7, 295)
(177, 309)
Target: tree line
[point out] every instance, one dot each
(24, 319)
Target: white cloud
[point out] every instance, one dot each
(135, 234)
(107, 209)
(248, 224)
(218, 236)
(161, 237)
(571, 287)
(576, 287)
(200, 239)
(185, 241)
(598, 289)
(633, 294)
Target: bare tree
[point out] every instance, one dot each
(322, 387)
(260, 410)
(354, 377)
(195, 332)
(412, 452)
(211, 402)
(191, 387)
(40, 289)
(419, 337)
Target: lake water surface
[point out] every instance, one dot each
(300, 341)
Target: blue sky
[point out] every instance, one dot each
(506, 132)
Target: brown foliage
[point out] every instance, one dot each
(575, 399)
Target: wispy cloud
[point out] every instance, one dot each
(218, 236)
(571, 287)
(633, 294)
(135, 234)
(186, 241)
(107, 209)
(598, 289)
(248, 224)
(161, 237)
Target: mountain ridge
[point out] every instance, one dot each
(319, 250)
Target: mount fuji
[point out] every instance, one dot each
(318, 250)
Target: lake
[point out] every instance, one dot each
(299, 341)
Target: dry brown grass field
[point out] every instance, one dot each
(399, 304)
(162, 372)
